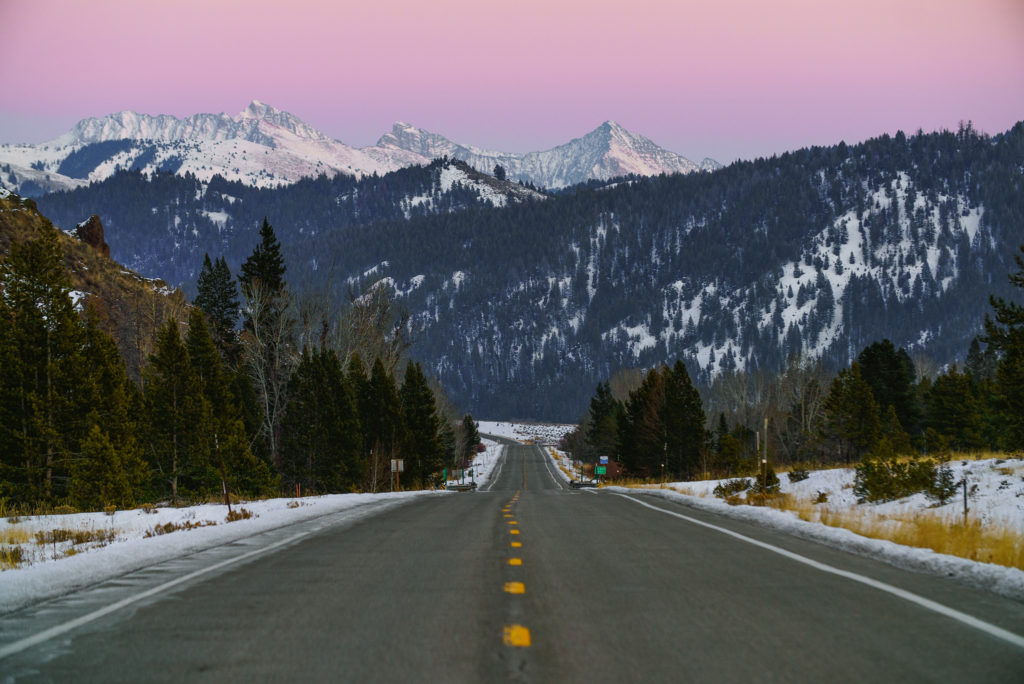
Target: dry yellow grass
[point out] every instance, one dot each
(15, 534)
(943, 533)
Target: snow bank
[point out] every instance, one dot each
(50, 572)
(484, 463)
(996, 496)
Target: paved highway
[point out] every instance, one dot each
(524, 580)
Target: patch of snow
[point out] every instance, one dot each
(131, 550)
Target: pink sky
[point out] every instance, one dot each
(722, 78)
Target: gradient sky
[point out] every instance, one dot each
(721, 78)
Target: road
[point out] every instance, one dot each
(524, 580)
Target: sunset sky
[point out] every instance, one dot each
(721, 78)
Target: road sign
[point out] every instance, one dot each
(398, 465)
(600, 470)
(603, 460)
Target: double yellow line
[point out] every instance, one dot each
(515, 635)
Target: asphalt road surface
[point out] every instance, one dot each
(523, 580)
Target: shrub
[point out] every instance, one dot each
(821, 498)
(174, 527)
(798, 474)
(728, 488)
(943, 486)
(239, 514)
(767, 483)
(61, 535)
(887, 480)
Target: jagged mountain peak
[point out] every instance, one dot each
(261, 112)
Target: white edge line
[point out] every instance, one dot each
(501, 466)
(57, 630)
(547, 461)
(966, 619)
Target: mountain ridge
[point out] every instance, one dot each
(265, 146)
(521, 309)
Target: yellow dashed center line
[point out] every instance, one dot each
(508, 515)
(515, 545)
(512, 522)
(513, 531)
(515, 588)
(515, 561)
(517, 635)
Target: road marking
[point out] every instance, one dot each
(554, 475)
(494, 478)
(517, 635)
(515, 588)
(966, 619)
(508, 515)
(514, 531)
(516, 545)
(515, 561)
(512, 522)
(52, 632)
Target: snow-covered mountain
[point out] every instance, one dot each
(261, 146)
(606, 152)
(265, 147)
(521, 307)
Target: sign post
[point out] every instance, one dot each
(397, 467)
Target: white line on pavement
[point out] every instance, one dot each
(966, 619)
(52, 632)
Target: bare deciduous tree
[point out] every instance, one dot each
(270, 355)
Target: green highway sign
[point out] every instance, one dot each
(600, 470)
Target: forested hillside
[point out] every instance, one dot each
(521, 310)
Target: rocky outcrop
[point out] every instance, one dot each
(91, 233)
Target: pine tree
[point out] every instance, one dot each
(115, 405)
(891, 376)
(230, 456)
(422, 448)
(179, 418)
(44, 381)
(850, 414)
(103, 475)
(1006, 334)
(954, 414)
(642, 440)
(265, 266)
(602, 424)
(469, 437)
(381, 423)
(320, 437)
(683, 418)
(218, 298)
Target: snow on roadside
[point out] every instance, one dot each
(484, 463)
(52, 572)
(996, 496)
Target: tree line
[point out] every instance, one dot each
(298, 397)
(879, 407)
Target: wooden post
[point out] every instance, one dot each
(965, 500)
